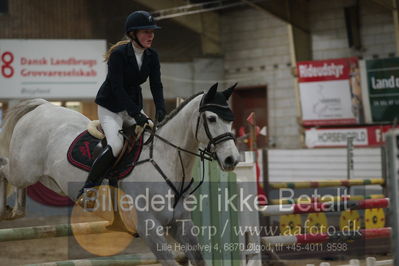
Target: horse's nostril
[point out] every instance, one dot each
(229, 160)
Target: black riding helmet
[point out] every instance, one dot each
(139, 20)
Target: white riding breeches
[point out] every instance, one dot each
(111, 123)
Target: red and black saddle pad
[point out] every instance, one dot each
(80, 154)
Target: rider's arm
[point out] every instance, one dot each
(156, 84)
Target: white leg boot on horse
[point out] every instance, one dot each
(183, 234)
(86, 197)
(156, 241)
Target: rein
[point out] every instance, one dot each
(204, 154)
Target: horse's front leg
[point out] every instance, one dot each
(154, 234)
(182, 233)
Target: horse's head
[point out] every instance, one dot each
(213, 127)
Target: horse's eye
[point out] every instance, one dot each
(212, 119)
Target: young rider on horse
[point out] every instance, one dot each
(119, 99)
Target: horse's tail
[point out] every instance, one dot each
(13, 115)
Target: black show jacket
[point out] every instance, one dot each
(121, 90)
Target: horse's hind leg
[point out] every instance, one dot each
(19, 207)
(5, 210)
(18, 210)
(3, 197)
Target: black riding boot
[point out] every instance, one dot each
(100, 166)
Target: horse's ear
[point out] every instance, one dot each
(227, 93)
(211, 92)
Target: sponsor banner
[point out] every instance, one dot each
(330, 92)
(325, 70)
(383, 89)
(337, 137)
(51, 69)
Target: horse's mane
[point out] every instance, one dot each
(177, 109)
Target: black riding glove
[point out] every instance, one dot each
(160, 115)
(141, 119)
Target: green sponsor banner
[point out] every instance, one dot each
(383, 88)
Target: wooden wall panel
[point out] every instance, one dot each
(71, 19)
(89, 109)
(46, 19)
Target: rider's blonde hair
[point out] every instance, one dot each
(108, 53)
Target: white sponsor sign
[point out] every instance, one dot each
(335, 137)
(329, 91)
(51, 69)
(328, 100)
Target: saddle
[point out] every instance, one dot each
(89, 144)
(94, 128)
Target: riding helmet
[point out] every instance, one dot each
(140, 20)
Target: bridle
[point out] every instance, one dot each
(204, 154)
(213, 141)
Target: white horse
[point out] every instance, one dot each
(36, 135)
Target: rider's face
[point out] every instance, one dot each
(145, 37)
